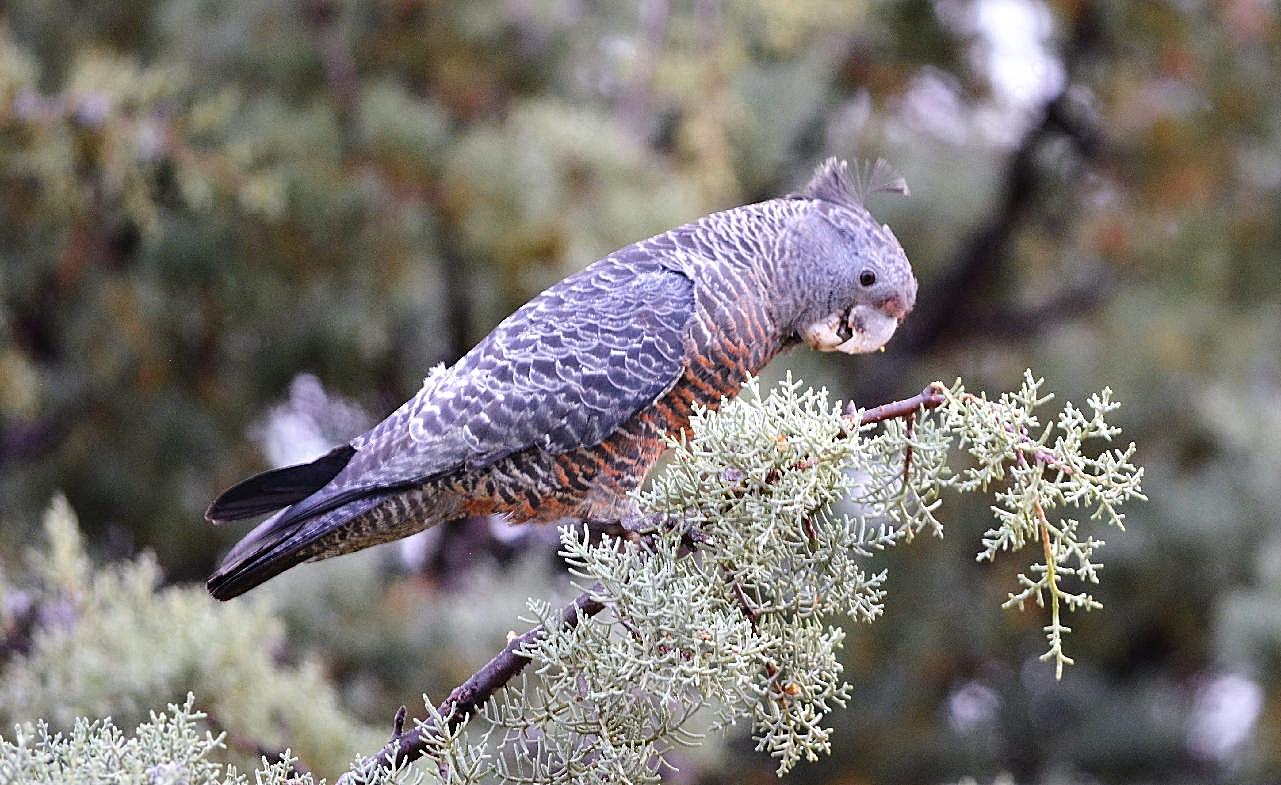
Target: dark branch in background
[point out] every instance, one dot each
(1069, 302)
(322, 18)
(967, 278)
(465, 699)
(458, 297)
(957, 304)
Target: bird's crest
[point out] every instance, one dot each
(833, 182)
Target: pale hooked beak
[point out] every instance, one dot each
(861, 329)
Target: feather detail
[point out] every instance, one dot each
(878, 177)
(833, 182)
(278, 488)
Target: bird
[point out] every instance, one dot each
(566, 405)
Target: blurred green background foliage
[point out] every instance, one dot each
(233, 234)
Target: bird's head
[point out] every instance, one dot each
(854, 282)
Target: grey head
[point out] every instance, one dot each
(851, 282)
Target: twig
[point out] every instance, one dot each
(752, 613)
(467, 697)
(930, 398)
(907, 450)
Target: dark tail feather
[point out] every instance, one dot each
(278, 543)
(277, 488)
(233, 580)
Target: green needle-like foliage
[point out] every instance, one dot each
(1043, 469)
(171, 748)
(114, 642)
(760, 540)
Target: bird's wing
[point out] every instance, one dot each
(563, 372)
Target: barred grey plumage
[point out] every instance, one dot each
(563, 408)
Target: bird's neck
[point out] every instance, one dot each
(758, 234)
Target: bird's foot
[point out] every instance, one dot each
(612, 528)
(641, 528)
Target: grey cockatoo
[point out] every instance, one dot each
(565, 406)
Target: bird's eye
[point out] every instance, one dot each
(867, 278)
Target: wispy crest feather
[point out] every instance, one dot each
(833, 181)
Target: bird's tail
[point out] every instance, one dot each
(284, 540)
(277, 488)
(312, 511)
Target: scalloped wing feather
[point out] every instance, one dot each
(561, 373)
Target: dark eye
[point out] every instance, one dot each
(867, 278)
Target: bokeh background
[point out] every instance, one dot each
(234, 234)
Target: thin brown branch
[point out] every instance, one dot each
(907, 450)
(469, 696)
(752, 613)
(398, 722)
(930, 398)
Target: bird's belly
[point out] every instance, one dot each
(589, 482)
(595, 482)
